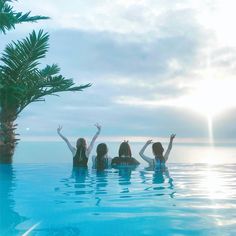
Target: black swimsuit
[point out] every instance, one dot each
(80, 161)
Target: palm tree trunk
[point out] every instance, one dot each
(7, 140)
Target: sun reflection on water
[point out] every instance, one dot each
(214, 185)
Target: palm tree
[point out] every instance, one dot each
(23, 82)
(9, 18)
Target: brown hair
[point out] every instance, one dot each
(81, 147)
(157, 149)
(101, 152)
(125, 150)
(81, 142)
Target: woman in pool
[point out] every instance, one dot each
(101, 161)
(159, 158)
(125, 156)
(81, 152)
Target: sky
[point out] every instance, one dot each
(156, 66)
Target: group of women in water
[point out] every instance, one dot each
(82, 152)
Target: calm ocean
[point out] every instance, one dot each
(58, 152)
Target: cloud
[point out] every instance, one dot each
(224, 58)
(145, 52)
(101, 53)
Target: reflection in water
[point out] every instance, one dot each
(159, 177)
(101, 183)
(136, 200)
(125, 174)
(79, 174)
(81, 182)
(124, 179)
(9, 218)
(76, 184)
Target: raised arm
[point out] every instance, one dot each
(72, 149)
(141, 153)
(90, 147)
(169, 147)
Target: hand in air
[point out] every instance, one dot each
(149, 141)
(98, 127)
(172, 137)
(59, 129)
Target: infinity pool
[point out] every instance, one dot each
(186, 199)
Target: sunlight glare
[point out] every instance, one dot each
(219, 19)
(210, 129)
(211, 97)
(215, 184)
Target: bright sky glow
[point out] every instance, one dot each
(218, 19)
(148, 62)
(210, 96)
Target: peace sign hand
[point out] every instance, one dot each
(59, 129)
(98, 127)
(149, 141)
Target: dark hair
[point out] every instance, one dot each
(157, 149)
(81, 142)
(81, 148)
(125, 150)
(101, 152)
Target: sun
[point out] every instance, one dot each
(210, 97)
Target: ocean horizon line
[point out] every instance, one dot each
(189, 140)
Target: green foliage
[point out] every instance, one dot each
(22, 82)
(9, 18)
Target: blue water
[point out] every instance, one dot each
(54, 199)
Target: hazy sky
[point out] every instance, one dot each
(157, 67)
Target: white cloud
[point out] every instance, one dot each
(146, 54)
(126, 17)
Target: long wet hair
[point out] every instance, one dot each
(158, 150)
(124, 149)
(101, 153)
(81, 148)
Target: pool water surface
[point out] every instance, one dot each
(185, 199)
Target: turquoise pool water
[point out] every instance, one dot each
(186, 199)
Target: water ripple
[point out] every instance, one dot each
(140, 201)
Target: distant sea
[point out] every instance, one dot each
(58, 152)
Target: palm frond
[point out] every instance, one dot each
(22, 82)
(50, 70)
(23, 56)
(40, 86)
(34, 87)
(9, 18)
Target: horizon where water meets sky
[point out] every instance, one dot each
(156, 68)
